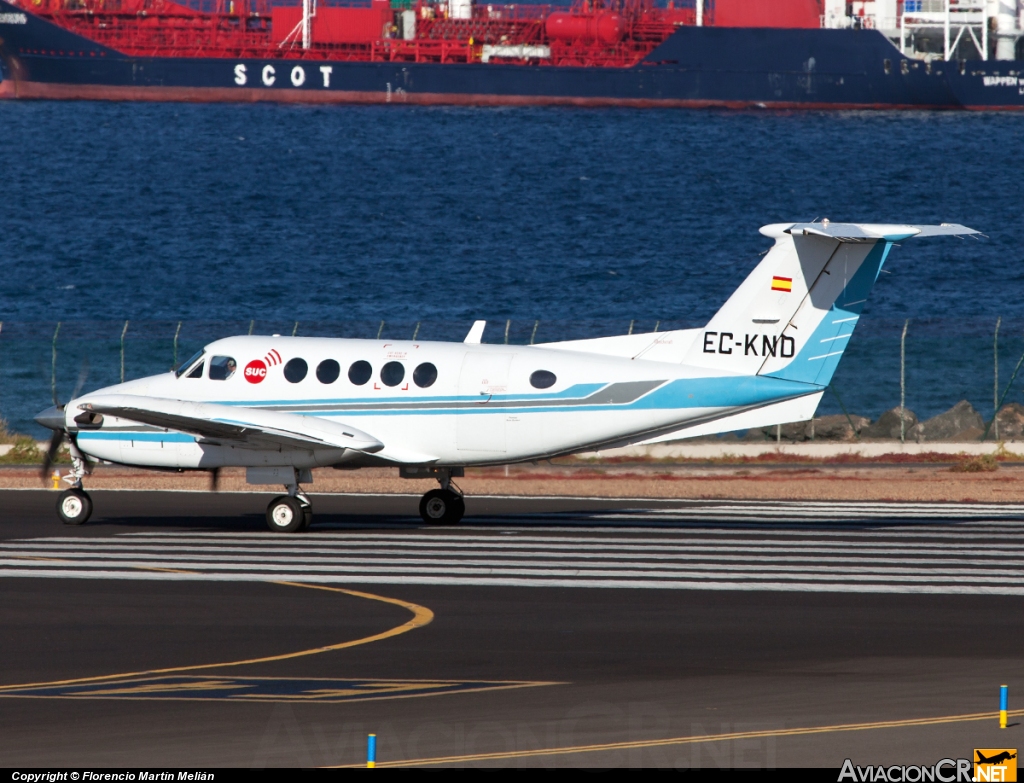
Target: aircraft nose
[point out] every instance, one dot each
(52, 418)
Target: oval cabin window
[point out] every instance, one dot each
(328, 371)
(360, 372)
(295, 370)
(424, 375)
(392, 373)
(543, 379)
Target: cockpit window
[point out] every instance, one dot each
(197, 371)
(222, 368)
(180, 369)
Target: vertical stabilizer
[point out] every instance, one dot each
(793, 316)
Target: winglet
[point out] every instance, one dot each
(476, 333)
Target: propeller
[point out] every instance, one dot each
(53, 419)
(214, 479)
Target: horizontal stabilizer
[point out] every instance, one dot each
(866, 232)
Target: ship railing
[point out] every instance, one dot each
(959, 20)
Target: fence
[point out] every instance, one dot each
(929, 365)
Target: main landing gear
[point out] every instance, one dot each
(290, 513)
(74, 506)
(444, 506)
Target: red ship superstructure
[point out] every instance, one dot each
(593, 33)
(695, 53)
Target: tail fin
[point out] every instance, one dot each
(793, 316)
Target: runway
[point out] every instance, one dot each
(541, 632)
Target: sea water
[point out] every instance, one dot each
(551, 222)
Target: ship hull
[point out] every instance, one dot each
(694, 67)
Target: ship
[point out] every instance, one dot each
(746, 54)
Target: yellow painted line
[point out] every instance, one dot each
(209, 685)
(279, 699)
(692, 740)
(421, 616)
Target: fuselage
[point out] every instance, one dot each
(436, 403)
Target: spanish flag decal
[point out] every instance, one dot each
(782, 284)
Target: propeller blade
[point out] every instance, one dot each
(83, 376)
(214, 479)
(56, 440)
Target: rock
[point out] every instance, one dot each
(1010, 423)
(822, 428)
(888, 425)
(961, 422)
(790, 432)
(836, 427)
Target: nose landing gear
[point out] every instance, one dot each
(74, 506)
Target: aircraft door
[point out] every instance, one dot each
(484, 376)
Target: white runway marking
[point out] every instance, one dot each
(810, 547)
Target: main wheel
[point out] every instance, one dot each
(74, 506)
(442, 507)
(285, 515)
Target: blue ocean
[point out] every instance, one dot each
(191, 222)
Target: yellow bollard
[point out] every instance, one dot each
(56, 479)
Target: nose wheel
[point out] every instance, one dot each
(289, 514)
(74, 506)
(442, 507)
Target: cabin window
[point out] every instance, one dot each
(425, 375)
(392, 373)
(197, 371)
(360, 372)
(887, 65)
(295, 370)
(542, 379)
(222, 368)
(186, 364)
(328, 371)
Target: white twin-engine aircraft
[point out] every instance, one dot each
(280, 406)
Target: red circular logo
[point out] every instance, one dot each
(255, 371)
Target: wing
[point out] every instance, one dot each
(217, 423)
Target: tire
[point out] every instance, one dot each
(307, 517)
(74, 506)
(285, 515)
(442, 507)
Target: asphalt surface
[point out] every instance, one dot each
(683, 634)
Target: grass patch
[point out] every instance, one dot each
(983, 463)
(6, 436)
(25, 452)
(781, 458)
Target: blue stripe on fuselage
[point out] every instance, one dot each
(685, 393)
(578, 390)
(151, 437)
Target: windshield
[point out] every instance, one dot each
(180, 370)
